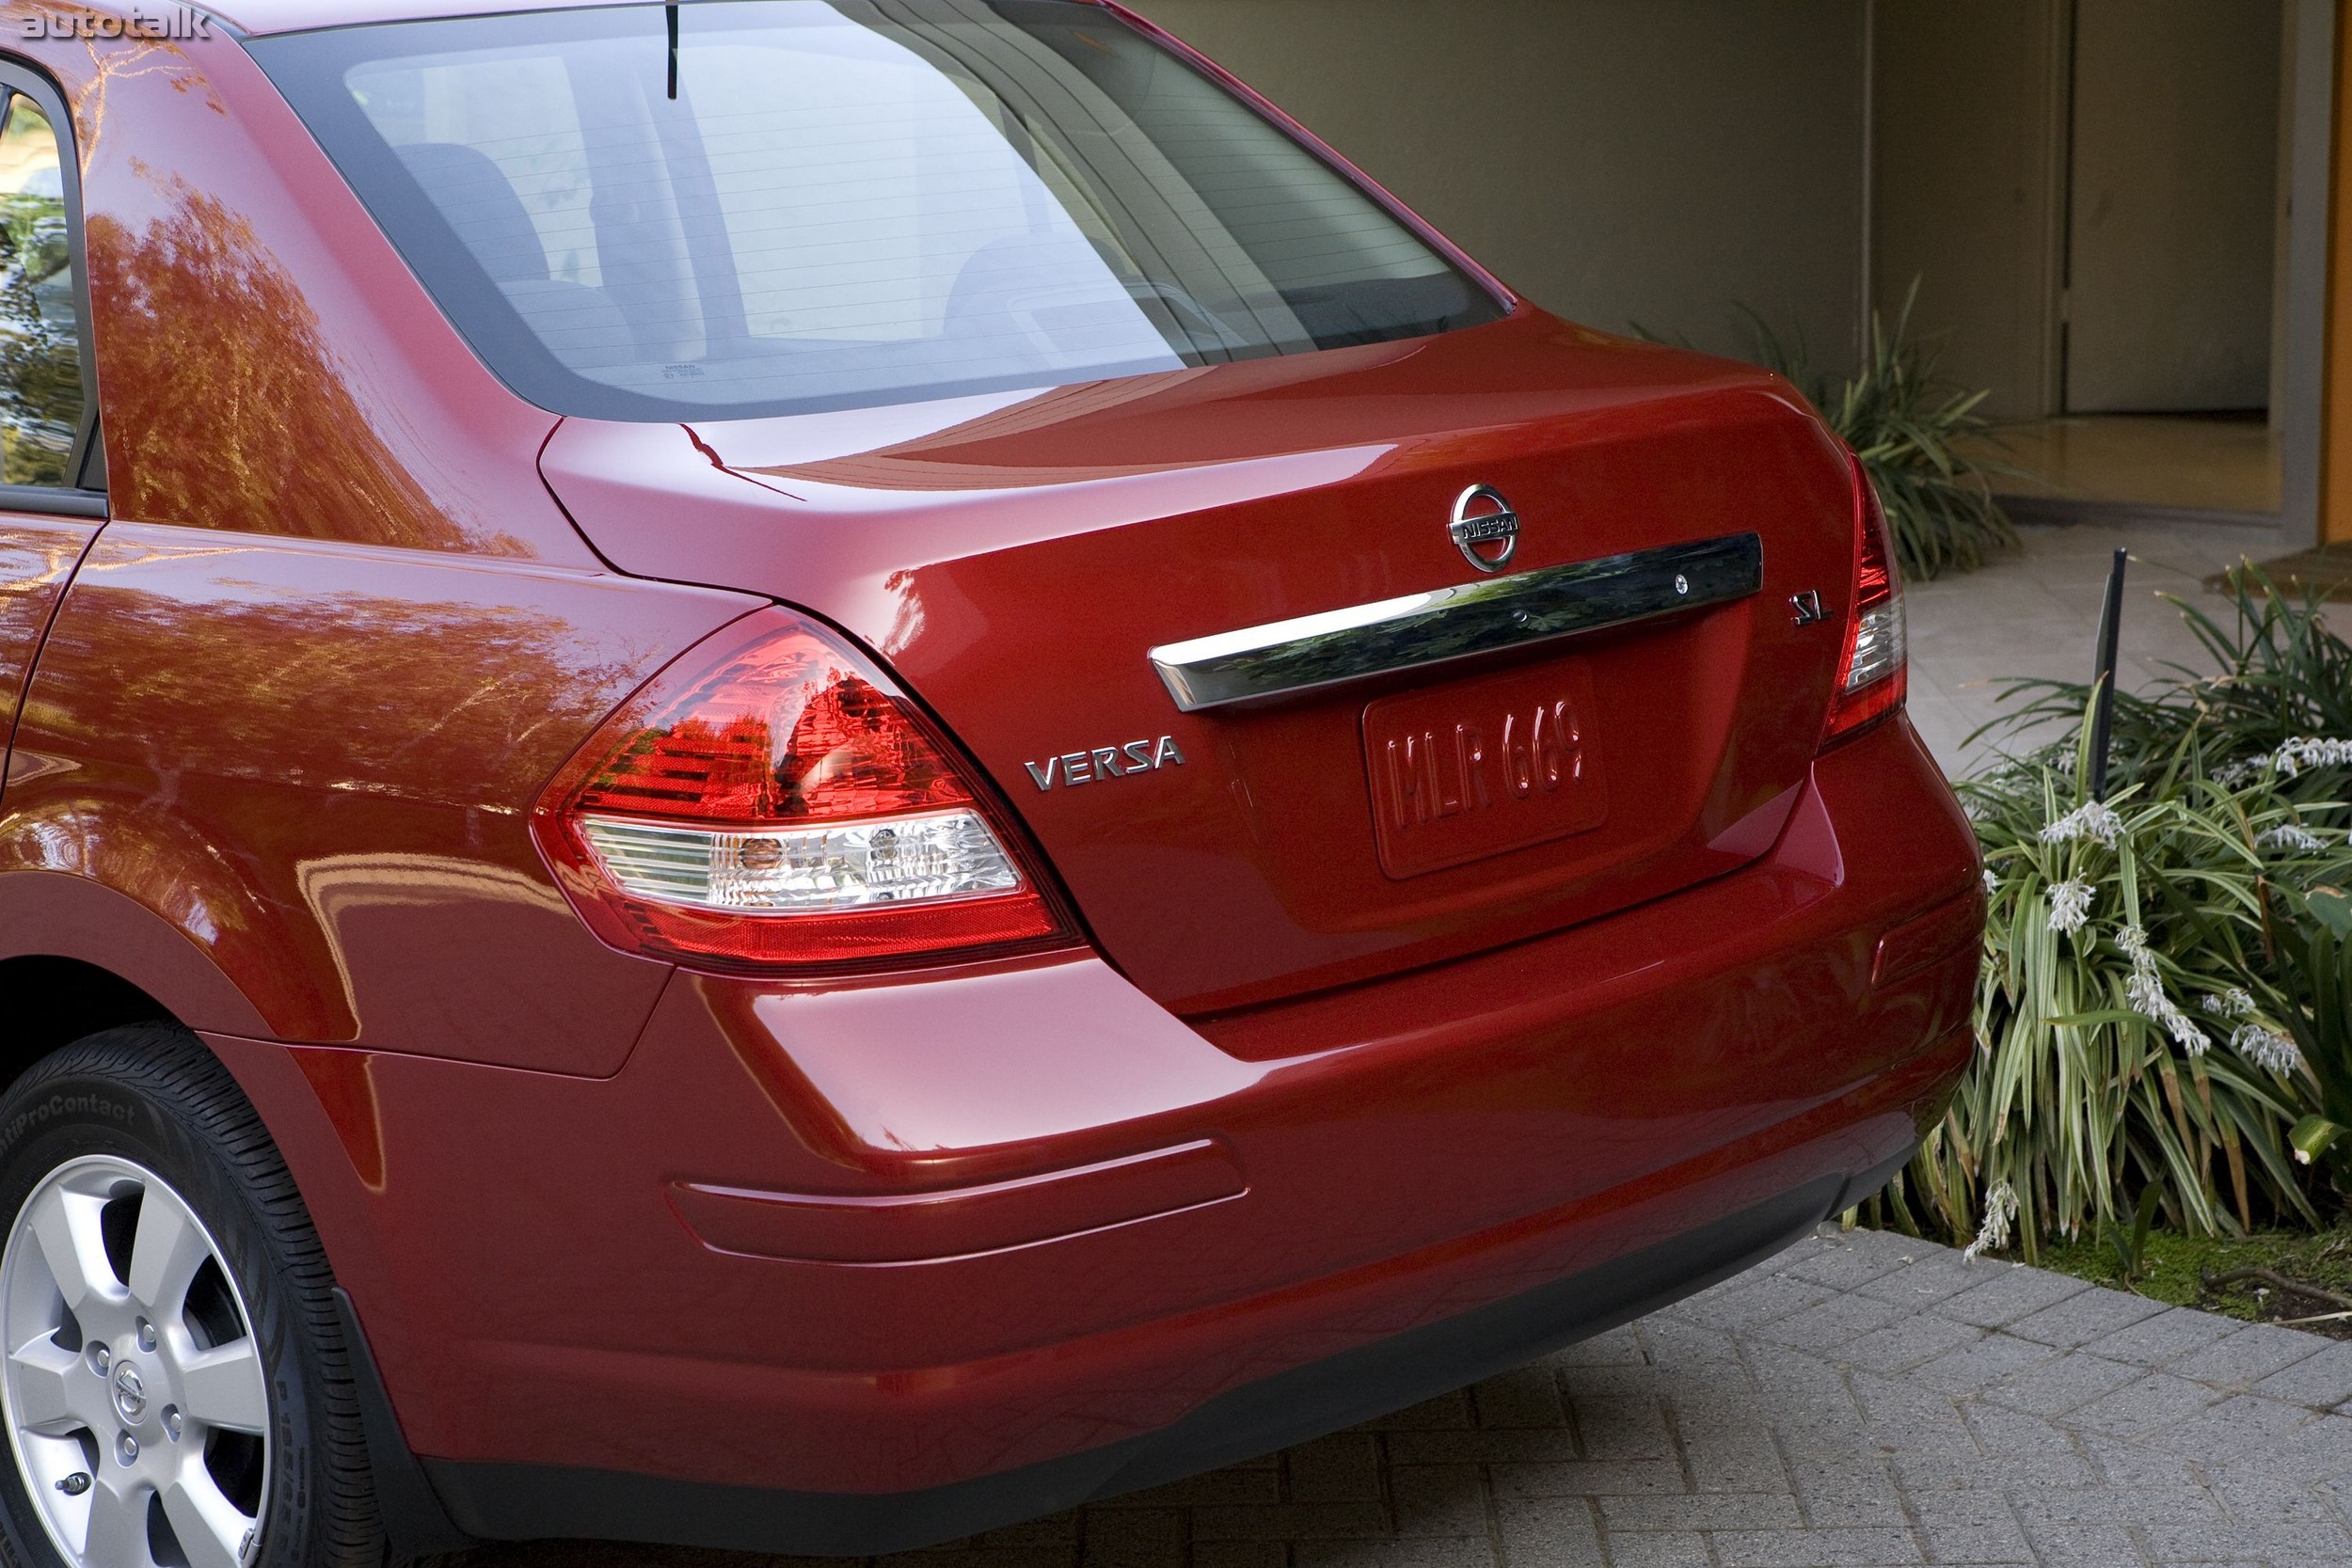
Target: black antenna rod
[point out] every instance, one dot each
(2103, 717)
(671, 10)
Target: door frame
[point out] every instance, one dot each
(2302, 430)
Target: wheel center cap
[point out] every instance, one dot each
(130, 1393)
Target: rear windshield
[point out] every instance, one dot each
(744, 207)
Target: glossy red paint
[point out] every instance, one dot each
(37, 556)
(1269, 489)
(351, 742)
(278, 752)
(1670, 1082)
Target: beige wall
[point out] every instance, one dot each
(1651, 161)
(1969, 187)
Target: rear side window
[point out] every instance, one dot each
(748, 207)
(45, 413)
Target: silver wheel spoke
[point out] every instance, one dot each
(66, 1226)
(118, 1527)
(165, 1256)
(224, 1388)
(209, 1528)
(49, 1382)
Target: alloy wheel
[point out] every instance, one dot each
(135, 1396)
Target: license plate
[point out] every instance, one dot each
(1484, 766)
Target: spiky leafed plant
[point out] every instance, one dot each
(2122, 1047)
(2318, 987)
(2281, 688)
(1914, 432)
(2161, 1008)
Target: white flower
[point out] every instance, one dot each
(2306, 750)
(2070, 906)
(2145, 991)
(2234, 774)
(2266, 1048)
(1992, 883)
(2001, 1212)
(2092, 819)
(2290, 835)
(2258, 1043)
(2234, 1003)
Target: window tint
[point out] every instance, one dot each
(41, 348)
(806, 204)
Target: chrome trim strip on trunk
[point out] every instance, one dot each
(1313, 651)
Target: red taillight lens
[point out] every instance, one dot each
(1871, 674)
(773, 803)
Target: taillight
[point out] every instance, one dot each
(773, 803)
(1870, 675)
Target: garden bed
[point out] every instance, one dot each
(2165, 1017)
(2297, 1277)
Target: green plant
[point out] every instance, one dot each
(1911, 432)
(2282, 690)
(2137, 1036)
(2166, 1009)
(2130, 1248)
(2319, 990)
(2269, 1274)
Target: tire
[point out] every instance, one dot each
(192, 1402)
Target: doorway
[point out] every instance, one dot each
(2172, 206)
(2110, 176)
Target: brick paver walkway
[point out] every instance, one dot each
(1861, 1399)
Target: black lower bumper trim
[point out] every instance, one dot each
(516, 1502)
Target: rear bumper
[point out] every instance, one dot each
(847, 1271)
(490, 1501)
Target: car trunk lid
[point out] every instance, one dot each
(1048, 570)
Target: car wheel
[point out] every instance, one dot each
(175, 1388)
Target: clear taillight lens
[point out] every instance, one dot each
(1878, 646)
(797, 870)
(773, 803)
(1871, 676)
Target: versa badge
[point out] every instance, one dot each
(1106, 762)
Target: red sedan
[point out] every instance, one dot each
(802, 774)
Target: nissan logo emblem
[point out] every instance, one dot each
(1484, 528)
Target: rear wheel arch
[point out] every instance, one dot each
(49, 1002)
(76, 918)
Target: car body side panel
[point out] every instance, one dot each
(1394, 1174)
(317, 762)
